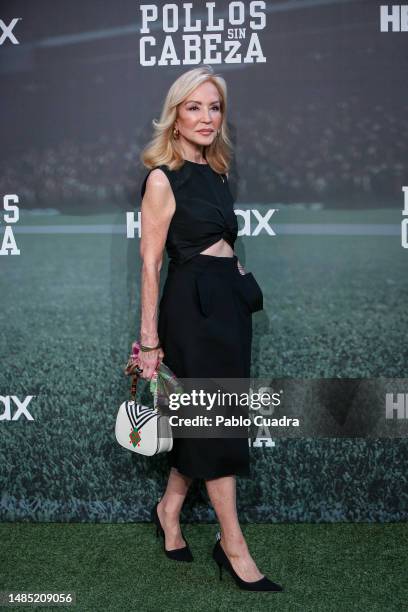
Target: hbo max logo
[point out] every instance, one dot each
(6, 32)
(396, 405)
(394, 18)
(14, 409)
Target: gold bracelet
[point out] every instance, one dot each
(149, 348)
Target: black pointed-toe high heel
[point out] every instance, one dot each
(264, 584)
(178, 554)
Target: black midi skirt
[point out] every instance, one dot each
(205, 329)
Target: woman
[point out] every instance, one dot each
(204, 327)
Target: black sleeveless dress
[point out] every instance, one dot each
(205, 311)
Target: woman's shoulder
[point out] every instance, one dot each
(176, 177)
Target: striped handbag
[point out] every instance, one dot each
(139, 428)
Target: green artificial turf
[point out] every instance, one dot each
(334, 306)
(122, 567)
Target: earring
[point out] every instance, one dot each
(176, 133)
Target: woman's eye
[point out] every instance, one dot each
(216, 108)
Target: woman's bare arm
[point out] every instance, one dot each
(157, 208)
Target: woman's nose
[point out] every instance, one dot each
(206, 116)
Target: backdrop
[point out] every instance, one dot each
(318, 118)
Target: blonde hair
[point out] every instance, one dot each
(164, 148)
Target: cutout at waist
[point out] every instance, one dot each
(212, 254)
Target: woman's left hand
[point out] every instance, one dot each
(149, 361)
(241, 268)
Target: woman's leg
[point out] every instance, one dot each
(170, 506)
(222, 493)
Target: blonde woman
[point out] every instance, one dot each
(203, 326)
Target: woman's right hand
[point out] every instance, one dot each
(149, 362)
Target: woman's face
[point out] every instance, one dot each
(201, 110)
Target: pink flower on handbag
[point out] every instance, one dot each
(135, 348)
(132, 361)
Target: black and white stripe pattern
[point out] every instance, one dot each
(139, 415)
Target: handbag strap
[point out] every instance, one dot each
(130, 371)
(133, 387)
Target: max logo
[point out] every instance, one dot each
(7, 31)
(394, 17)
(396, 406)
(11, 404)
(253, 222)
(404, 222)
(262, 222)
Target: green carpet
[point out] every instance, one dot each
(122, 567)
